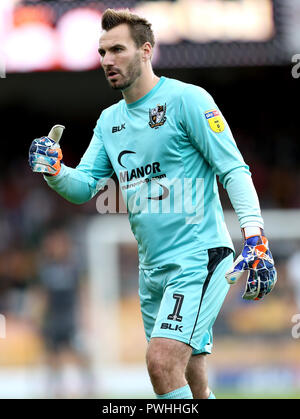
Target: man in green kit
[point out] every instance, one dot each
(163, 133)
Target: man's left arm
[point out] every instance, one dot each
(211, 135)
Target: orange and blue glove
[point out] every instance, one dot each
(45, 154)
(257, 260)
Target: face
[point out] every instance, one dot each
(121, 59)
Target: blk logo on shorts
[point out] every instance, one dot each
(169, 326)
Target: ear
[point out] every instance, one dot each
(147, 51)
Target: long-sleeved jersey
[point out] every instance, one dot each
(167, 149)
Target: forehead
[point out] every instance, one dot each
(118, 35)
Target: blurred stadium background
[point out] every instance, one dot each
(68, 275)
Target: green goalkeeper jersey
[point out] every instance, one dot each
(167, 149)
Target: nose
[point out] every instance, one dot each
(107, 60)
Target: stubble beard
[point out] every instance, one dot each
(134, 70)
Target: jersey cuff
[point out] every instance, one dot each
(257, 223)
(52, 180)
(251, 231)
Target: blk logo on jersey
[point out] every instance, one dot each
(118, 128)
(157, 116)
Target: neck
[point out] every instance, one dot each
(140, 87)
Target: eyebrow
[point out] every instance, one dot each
(100, 50)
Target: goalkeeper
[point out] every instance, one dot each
(164, 132)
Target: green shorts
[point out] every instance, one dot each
(181, 300)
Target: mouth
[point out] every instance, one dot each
(111, 74)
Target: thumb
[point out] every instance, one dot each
(236, 271)
(56, 133)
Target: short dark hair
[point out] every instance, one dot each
(139, 27)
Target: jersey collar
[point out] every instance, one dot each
(147, 96)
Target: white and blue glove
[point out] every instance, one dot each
(257, 260)
(45, 154)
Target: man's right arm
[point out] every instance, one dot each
(81, 184)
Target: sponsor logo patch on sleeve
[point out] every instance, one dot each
(215, 120)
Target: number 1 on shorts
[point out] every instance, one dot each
(175, 315)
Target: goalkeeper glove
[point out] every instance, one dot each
(257, 260)
(45, 153)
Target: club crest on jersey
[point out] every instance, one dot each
(215, 120)
(157, 116)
